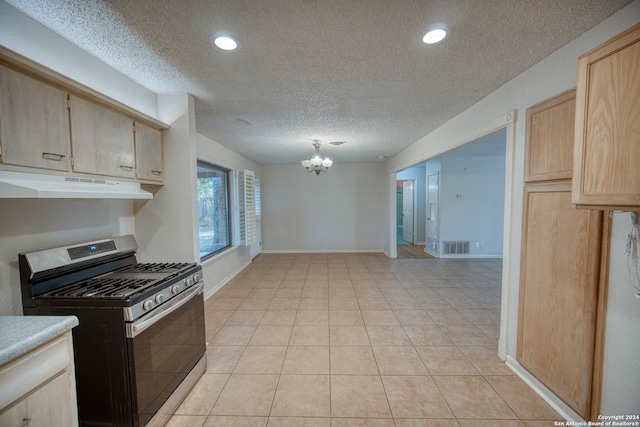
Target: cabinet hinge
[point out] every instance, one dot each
(68, 102)
(0, 149)
(71, 161)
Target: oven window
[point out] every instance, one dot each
(213, 209)
(164, 354)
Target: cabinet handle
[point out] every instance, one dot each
(53, 156)
(27, 420)
(126, 168)
(157, 173)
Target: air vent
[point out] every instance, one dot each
(455, 247)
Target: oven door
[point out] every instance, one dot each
(164, 345)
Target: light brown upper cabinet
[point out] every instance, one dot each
(34, 122)
(607, 133)
(549, 138)
(148, 153)
(559, 293)
(102, 140)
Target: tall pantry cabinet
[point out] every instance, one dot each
(559, 276)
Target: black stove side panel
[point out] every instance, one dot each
(102, 365)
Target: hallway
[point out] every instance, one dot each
(359, 340)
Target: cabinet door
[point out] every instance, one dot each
(51, 404)
(34, 122)
(549, 138)
(15, 415)
(559, 280)
(607, 133)
(148, 153)
(102, 140)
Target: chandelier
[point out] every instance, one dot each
(317, 164)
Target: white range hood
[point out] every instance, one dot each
(23, 185)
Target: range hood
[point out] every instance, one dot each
(23, 185)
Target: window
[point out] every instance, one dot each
(213, 209)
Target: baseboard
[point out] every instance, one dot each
(215, 288)
(502, 350)
(320, 251)
(433, 254)
(547, 395)
(463, 256)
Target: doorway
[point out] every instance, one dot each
(432, 149)
(433, 195)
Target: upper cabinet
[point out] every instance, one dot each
(102, 140)
(34, 122)
(48, 121)
(549, 138)
(148, 153)
(607, 128)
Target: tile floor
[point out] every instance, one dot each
(359, 340)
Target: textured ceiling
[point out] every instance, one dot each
(352, 70)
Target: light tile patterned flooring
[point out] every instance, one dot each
(359, 340)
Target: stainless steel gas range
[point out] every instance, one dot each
(140, 345)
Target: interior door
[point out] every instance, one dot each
(407, 211)
(433, 194)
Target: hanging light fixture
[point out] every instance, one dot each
(317, 164)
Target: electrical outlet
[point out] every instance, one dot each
(477, 245)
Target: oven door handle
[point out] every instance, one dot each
(137, 327)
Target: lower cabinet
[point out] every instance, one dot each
(49, 405)
(39, 387)
(559, 280)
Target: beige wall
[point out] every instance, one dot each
(29, 225)
(340, 210)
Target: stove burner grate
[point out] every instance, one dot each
(102, 288)
(157, 267)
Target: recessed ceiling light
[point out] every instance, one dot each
(435, 33)
(225, 41)
(338, 142)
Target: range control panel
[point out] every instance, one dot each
(91, 249)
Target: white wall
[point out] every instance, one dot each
(29, 225)
(340, 210)
(621, 373)
(166, 225)
(220, 269)
(478, 216)
(552, 75)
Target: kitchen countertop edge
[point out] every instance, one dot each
(21, 334)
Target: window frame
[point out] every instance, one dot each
(230, 211)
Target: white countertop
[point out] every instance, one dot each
(20, 334)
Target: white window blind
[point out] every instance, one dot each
(246, 207)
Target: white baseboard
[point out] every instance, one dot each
(215, 288)
(502, 350)
(319, 251)
(472, 256)
(547, 395)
